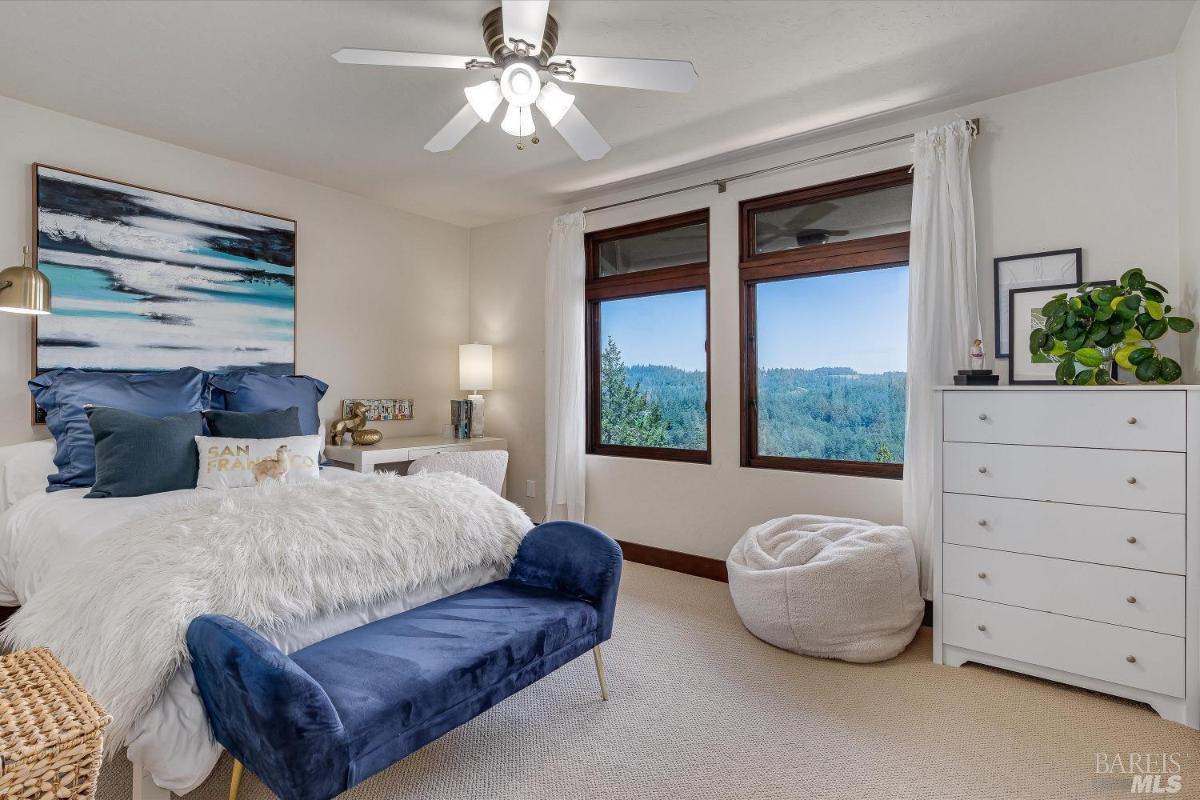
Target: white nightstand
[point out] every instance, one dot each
(364, 458)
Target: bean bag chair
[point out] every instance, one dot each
(828, 587)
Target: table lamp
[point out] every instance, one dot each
(475, 375)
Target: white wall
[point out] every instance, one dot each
(1089, 162)
(382, 295)
(1187, 62)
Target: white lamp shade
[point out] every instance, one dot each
(554, 102)
(484, 98)
(474, 367)
(518, 121)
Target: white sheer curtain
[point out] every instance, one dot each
(565, 415)
(943, 311)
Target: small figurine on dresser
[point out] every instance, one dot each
(977, 375)
(354, 423)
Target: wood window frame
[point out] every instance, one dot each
(855, 255)
(664, 280)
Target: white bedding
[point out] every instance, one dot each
(173, 741)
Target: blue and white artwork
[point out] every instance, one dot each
(144, 281)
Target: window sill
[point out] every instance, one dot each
(859, 469)
(652, 453)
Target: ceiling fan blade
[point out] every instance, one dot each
(525, 20)
(399, 58)
(453, 131)
(654, 74)
(584, 139)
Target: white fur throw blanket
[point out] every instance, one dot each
(276, 554)
(828, 586)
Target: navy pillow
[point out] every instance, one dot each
(63, 393)
(138, 455)
(254, 424)
(246, 390)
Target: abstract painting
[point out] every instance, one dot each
(145, 281)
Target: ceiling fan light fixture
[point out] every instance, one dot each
(518, 121)
(554, 102)
(520, 84)
(484, 98)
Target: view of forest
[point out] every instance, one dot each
(832, 412)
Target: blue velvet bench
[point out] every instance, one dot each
(317, 722)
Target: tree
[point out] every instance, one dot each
(628, 416)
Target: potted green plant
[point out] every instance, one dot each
(1087, 332)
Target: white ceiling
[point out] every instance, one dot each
(253, 81)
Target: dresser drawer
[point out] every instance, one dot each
(1119, 419)
(1061, 530)
(1074, 588)
(1078, 646)
(1153, 481)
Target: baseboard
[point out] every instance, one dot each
(700, 566)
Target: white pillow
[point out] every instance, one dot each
(227, 463)
(23, 470)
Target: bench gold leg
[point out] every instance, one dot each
(236, 781)
(599, 674)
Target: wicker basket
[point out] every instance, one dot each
(51, 730)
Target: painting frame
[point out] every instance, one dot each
(1030, 277)
(1017, 361)
(293, 229)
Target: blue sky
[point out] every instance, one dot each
(853, 319)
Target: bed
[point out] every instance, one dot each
(42, 533)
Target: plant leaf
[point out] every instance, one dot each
(1180, 324)
(1065, 371)
(1133, 278)
(1169, 370)
(1140, 354)
(1121, 356)
(1147, 370)
(1089, 357)
(1155, 329)
(1035, 341)
(1155, 310)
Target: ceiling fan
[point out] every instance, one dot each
(521, 37)
(797, 228)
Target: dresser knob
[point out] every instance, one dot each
(983, 417)
(983, 576)
(1131, 480)
(1131, 599)
(983, 470)
(1131, 659)
(1132, 540)
(1132, 420)
(983, 523)
(981, 628)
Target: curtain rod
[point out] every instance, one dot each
(721, 183)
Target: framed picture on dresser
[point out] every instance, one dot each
(1024, 314)
(1051, 268)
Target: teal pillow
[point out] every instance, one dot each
(138, 455)
(254, 424)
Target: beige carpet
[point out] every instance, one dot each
(701, 709)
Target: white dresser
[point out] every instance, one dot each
(1068, 538)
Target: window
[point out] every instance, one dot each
(824, 274)
(647, 339)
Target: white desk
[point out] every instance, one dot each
(364, 458)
